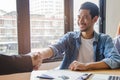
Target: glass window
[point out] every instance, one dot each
(77, 4)
(46, 22)
(8, 27)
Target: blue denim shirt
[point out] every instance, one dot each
(104, 49)
(117, 42)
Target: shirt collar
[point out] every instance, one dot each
(78, 34)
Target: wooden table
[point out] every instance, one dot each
(114, 72)
(17, 76)
(26, 76)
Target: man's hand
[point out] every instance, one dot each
(75, 65)
(36, 59)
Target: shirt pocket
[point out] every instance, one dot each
(100, 53)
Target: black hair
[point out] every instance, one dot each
(93, 8)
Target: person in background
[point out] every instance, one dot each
(85, 49)
(19, 63)
(118, 30)
(116, 40)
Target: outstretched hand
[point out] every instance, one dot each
(36, 59)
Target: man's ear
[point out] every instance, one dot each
(95, 18)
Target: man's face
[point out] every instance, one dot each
(85, 21)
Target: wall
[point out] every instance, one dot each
(112, 16)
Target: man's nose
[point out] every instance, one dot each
(81, 20)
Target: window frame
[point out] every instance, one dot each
(68, 15)
(23, 26)
(102, 21)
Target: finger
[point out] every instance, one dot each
(73, 67)
(35, 56)
(36, 67)
(72, 63)
(76, 65)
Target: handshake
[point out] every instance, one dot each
(36, 58)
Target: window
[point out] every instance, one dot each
(46, 22)
(8, 27)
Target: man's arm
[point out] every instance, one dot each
(46, 53)
(97, 65)
(15, 63)
(37, 57)
(18, 63)
(75, 65)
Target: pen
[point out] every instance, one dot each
(44, 76)
(84, 77)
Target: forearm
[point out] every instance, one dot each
(15, 63)
(97, 65)
(46, 53)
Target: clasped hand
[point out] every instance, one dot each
(75, 65)
(36, 59)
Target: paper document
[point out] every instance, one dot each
(56, 75)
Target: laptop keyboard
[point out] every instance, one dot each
(114, 78)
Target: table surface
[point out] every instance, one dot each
(26, 76)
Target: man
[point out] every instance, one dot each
(86, 49)
(19, 63)
(116, 40)
(118, 30)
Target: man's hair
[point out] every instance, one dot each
(93, 8)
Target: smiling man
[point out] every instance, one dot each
(85, 49)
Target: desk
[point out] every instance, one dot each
(17, 76)
(26, 76)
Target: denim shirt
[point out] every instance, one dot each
(117, 42)
(104, 49)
